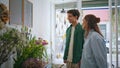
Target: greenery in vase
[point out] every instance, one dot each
(9, 42)
(35, 50)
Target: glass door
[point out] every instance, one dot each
(109, 12)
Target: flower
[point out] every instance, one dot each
(30, 55)
(40, 41)
(10, 40)
(44, 42)
(37, 42)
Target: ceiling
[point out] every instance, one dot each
(85, 3)
(65, 1)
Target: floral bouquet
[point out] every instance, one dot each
(33, 54)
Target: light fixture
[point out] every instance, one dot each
(63, 10)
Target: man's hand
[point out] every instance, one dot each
(65, 61)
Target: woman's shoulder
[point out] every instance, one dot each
(96, 35)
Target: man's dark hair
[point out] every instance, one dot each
(74, 12)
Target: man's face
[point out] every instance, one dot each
(71, 18)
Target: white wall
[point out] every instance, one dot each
(41, 18)
(42, 21)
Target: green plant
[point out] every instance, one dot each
(10, 40)
(33, 50)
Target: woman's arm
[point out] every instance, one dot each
(99, 51)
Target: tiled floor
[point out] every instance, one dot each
(113, 60)
(58, 63)
(59, 66)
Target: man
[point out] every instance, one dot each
(74, 40)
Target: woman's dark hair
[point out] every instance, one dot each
(92, 21)
(74, 12)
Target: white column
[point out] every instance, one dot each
(52, 29)
(116, 25)
(110, 36)
(79, 7)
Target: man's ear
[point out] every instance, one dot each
(76, 17)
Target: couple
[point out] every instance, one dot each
(85, 46)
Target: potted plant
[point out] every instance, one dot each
(10, 38)
(32, 54)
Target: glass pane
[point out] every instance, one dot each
(98, 11)
(61, 25)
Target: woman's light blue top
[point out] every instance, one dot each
(94, 51)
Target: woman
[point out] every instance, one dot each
(94, 51)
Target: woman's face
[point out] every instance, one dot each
(84, 25)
